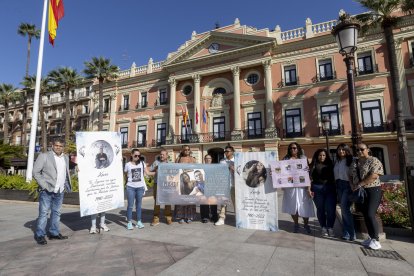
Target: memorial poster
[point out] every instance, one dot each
(290, 173)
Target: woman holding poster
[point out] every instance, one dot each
(297, 201)
(185, 213)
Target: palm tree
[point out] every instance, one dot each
(8, 94)
(29, 30)
(102, 69)
(66, 78)
(382, 14)
(30, 84)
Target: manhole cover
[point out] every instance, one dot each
(388, 254)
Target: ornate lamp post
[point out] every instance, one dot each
(346, 34)
(326, 123)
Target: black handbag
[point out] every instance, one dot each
(359, 195)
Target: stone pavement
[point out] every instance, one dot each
(188, 249)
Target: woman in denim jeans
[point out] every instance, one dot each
(323, 189)
(343, 189)
(136, 187)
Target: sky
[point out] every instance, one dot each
(128, 31)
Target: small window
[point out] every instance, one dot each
(163, 96)
(290, 75)
(252, 78)
(219, 90)
(187, 90)
(365, 65)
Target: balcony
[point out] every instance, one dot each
(283, 83)
(364, 71)
(377, 127)
(141, 105)
(123, 108)
(139, 144)
(324, 77)
(332, 132)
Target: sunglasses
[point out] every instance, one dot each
(227, 151)
(293, 148)
(361, 149)
(136, 156)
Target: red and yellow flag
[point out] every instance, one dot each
(56, 12)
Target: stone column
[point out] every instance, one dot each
(402, 79)
(173, 84)
(270, 123)
(197, 80)
(236, 99)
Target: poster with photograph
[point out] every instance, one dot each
(99, 157)
(256, 199)
(193, 183)
(290, 173)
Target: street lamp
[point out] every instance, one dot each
(346, 34)
(326, 122)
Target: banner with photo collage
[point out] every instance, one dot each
(193, 184)
(290, 173)
(101, 186)
(256, 199)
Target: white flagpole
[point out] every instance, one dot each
(35, 113)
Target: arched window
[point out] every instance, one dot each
(219, 90)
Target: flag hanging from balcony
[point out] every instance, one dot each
(204, 115)
(196, 116)
(184, 115)
(56, 12)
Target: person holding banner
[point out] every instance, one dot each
(208, 210)
(134, 171)
(185, 213)
(229, 160)
(343, 189)
(163, 158)
(324, 192)
(298, 201)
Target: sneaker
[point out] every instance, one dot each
(105, 228)
(129, 226)
(139, 225)
(374, 244)
(366, 242)
(308, 229)
(181, 221)
(219, 222)
(189, 221)
(155, 223)
(331, 232)
(93, 230)
(296, 228)
(325, 232)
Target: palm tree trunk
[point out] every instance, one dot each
(67, 117)
(28, 56)
(398, 107)
(42, 125)
(6, 123)
(100, 113)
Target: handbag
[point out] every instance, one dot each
(359, 195)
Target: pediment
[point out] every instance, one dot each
(215, 44)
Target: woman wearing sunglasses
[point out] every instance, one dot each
(298, 201)
(365, 172)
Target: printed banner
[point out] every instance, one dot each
(193, 184)
(290, 173)
(256, 199)
(100, 173)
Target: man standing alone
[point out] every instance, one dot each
(51, 171)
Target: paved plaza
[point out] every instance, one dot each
(187, 249)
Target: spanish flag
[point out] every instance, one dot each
(56, 12)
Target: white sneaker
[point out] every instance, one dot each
(219, 222)
(331, 232)
(105, 228)
(324, 232)
(92, 230)
(374, 244)
(366, 242)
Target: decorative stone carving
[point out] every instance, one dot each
(196, 78)
(218, 101)
(235, 70)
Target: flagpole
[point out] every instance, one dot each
(35, 113)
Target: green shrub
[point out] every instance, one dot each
(393, 208)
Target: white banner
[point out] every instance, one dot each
(256, 199)
(99, 156)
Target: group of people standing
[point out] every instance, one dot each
(330, 182)
(333, 182)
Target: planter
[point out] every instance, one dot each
(23, 195)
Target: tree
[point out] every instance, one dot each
(382, 13)
(30, 84)
(7, 152)
(8, 94)
(101, 69)
(66, 78)
(29, 30)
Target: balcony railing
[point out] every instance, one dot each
(363, 71)
(141, 105)
(139, 144)
(332, 132)
(377, 127)
(324, 77)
